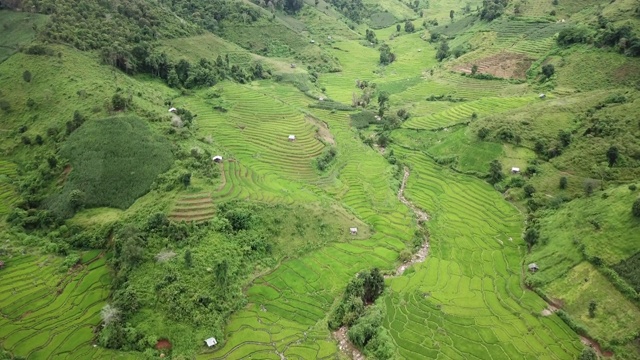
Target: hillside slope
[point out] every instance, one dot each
(179, 170)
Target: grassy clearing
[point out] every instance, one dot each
(588, 223)
(580, 69)
(616, 319)
(8, 194)
(18, 29)
(101, 151)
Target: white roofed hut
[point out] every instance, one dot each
(292, 138)
(211, 342)
(542, 96)
(533, 267)
(353, 231)
(217, 158)
(515, 170)
(173, 110)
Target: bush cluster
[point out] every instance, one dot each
(327, 157)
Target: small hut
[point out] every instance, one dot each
(542, 96)
(353, 231)
(515, 170)
(217, 158)
(292, 138)
(293, 66)
(211, 342)
(533, 267)
(313, 41)
(173, 110)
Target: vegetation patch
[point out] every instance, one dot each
(114, 160)
(381, 20)
(18, 29)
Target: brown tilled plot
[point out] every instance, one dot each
(503, 65)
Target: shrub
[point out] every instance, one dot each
(26, 76)
(386, 56)
(633, 187)
(409, 27)
(563, 182)
(323, 161)
(443, 51)
(119, 102)
(529, 190)
(4, 105)
(592, 308)
(531, 236)
(589, 186)
(573, 35)
(635, 208)
(587, 353)
(495, 172)
(548, 70)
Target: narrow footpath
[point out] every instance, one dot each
(420, 256)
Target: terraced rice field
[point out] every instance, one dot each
(256, 130)
(466, 300)
(51, 315)
(287, 307)
(462, 112)
(193, 207)
(8, 195)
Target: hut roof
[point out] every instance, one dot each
(211, 341)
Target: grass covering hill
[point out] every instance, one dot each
(100, 153)
(19, 29)
(125, 238)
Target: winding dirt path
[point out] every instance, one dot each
(420, 256)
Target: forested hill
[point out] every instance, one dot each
(306, 179)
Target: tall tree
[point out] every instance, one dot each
(495, 172)
(612, 155)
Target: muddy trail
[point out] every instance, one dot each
(420, 256)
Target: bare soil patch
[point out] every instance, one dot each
(595, 346)
(163, 344)
(323, 132)
(503, 65)
(346, 346)
(626, 72)
(65, 174)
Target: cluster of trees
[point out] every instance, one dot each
(144, 58)
(371, 36)
(202, 291)
(324, 160)
(492, 9)
(354, 10)
(409, 27)
(363, 289)
(386, 56)
(620, 38)
(125, 39)
(84, 24)
(290, 6)
(211, 15)
(365, 323)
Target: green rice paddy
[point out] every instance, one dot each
(466, 301)
(49, 314)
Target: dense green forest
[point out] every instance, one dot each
(320, 179)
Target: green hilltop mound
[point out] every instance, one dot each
(113, 162)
